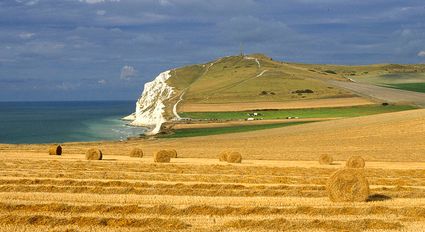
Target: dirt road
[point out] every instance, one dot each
(382, 93)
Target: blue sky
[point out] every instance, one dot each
(108, 49)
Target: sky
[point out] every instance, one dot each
(62, 50)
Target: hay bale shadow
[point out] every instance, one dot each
(335, 163)
(378, 197)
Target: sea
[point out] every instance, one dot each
(58, 122)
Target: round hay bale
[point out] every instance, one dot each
(234, 157)
(94, 154)
(162, 156)
(136, 152)
(172, 153)
(55, 150)
(325, 159)
(355, 162)
(348, 185)
(223, 156)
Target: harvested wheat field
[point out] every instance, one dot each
(49, 193)
(267, 191)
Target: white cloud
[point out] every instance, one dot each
(127, 72)
(406, 32)
(26, 35)
(101, 12)
(421, 53)
(102, 82)
(165, 3)
(28, 2)
(98, 1)
(67, 86)
(148, 38)
(44, 47)
(143, 18)
(34, 47)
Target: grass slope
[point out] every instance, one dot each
(415, 87)
(302, 113)
(368, 73)
(243, 79)
(407, 81)
(241, 83)
(225, 130)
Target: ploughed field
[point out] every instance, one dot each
(39, 192)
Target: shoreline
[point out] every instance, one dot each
(341, 138)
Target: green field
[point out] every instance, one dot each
(225, 130)
(392, 78)
(415, 87)
(407, 81)
(302, 113)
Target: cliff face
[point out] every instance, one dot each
(150, 106)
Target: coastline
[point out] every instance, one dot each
(60, 122)
(280, 143)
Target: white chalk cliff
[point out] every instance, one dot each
(150, 106)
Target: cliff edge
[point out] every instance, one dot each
(150, 106)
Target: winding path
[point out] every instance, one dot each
(264, 71)
(176, 115)
(253, 58)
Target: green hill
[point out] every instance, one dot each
(258, 78)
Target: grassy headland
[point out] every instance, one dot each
(337, 112)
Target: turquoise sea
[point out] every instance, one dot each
(57, 122)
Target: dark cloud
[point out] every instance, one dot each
(76, 49)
